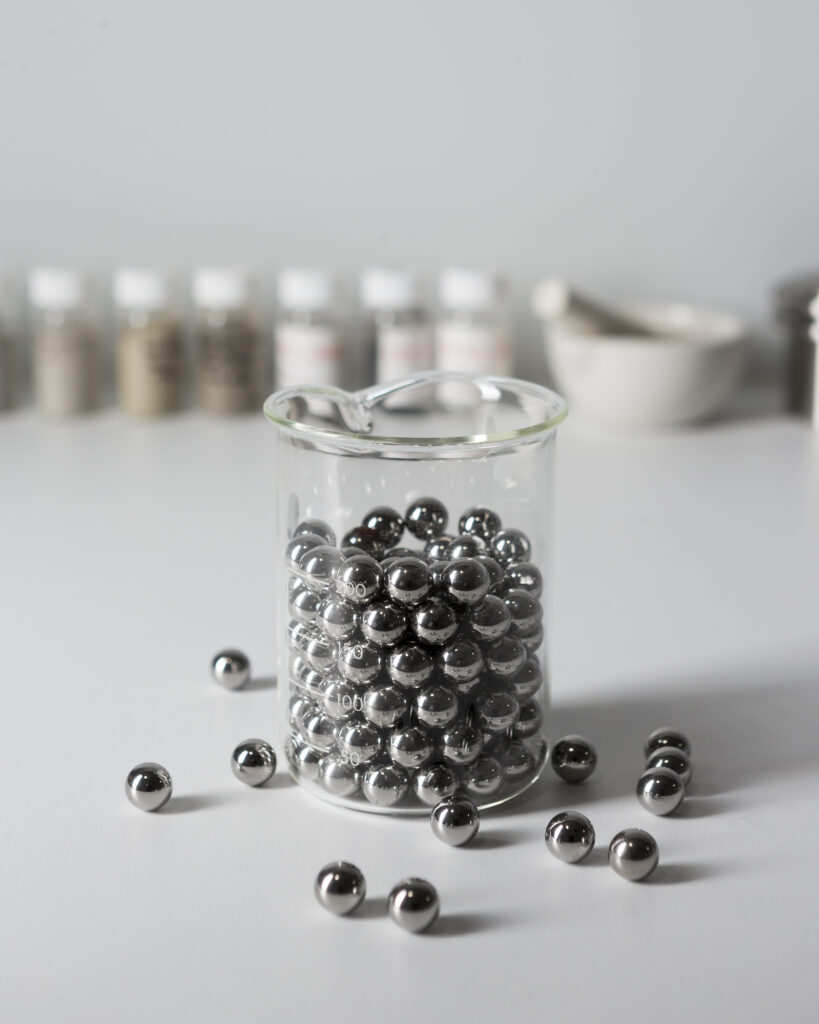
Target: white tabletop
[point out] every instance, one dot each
(687, 565)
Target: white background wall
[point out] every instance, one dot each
(646, 148)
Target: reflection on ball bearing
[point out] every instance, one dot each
(434, 782)
(384, 783)
(425, 518)
(675, 759)
(337, 776)
(666, 738)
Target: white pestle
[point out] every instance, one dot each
(555, 299)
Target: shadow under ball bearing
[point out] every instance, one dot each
(570, 837)
(633, 854)
(340, 887)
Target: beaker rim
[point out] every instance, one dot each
(541, 411)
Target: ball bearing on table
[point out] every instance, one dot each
(455, 820)
(675, 759)
(660, 790)
(666, 738)
(633, 854)
(573, 758)
(414, 905)
(340, 887)
(230, 668)
(149, 786)
(253, 762)
(570, 837)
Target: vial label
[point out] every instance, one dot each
(308, 354)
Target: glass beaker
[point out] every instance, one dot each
(412, 579)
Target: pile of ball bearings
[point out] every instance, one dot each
(413, 672)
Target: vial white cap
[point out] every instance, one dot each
(385, 288)
(55, 288)
(460, 288)
(305, 290)
(135, 288)
(221, 287)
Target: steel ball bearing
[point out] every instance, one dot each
(573, 759)
(455, 821)
(660, 791)
(230, 668)
(666, 738)
(253, 762)
(340, 887)
(673, 758)
(414, 905)
(148, 786)
(570, 837)
(633, 854)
